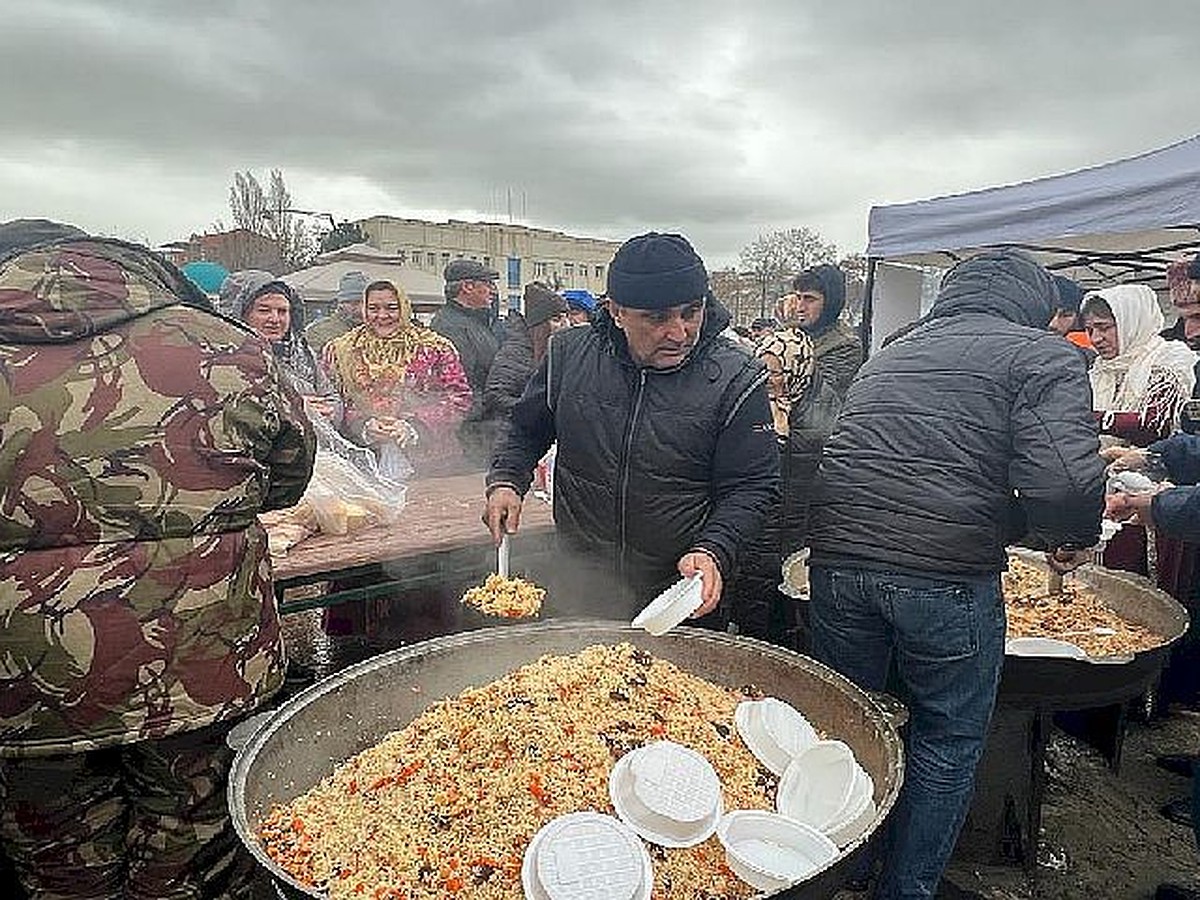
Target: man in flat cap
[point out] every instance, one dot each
(467, 318)
(469, 321)
(666, 462)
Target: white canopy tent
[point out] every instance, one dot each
(318, 284)
(1121, 221)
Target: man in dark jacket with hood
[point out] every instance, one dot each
(666, 461)
(971, 430)
(815, 307)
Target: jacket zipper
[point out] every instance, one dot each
(625, 465)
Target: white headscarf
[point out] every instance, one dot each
(1150, 375)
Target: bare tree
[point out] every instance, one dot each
(269, 213)
(775, 257)
(855, 268)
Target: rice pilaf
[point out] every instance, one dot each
(1034, 612)
(448, 804)
(508, 598)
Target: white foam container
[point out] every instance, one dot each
(668, 794)
(823, 786)
(775, 731)
(672, 606)
(586, 856)
(770, 851)
(858, 814)
(1043, 646)
(848, 830)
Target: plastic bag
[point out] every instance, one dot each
(349, 488)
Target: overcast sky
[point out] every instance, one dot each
(719, 119)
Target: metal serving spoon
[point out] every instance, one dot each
(502, 557)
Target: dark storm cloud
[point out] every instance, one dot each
(718, 118)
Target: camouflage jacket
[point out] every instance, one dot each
(139, 438)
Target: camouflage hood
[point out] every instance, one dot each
(68, 290)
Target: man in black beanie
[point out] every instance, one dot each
(666, 462)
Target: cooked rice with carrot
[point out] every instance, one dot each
(508, 598)
(1070, 616)
(448, 804)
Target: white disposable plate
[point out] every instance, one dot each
(626, 790)
(818, 787)
(674, 781)
(773, 730)
(858, 813)
(771, 852)
(849, 830)
(672, 606)
(1041, 646)
(586, 856)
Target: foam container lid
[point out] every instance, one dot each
(667, 793)
(675, 781)
(586, 856)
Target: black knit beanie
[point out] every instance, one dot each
(656, 271)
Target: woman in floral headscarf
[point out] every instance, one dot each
(804, 407)
(403, 385)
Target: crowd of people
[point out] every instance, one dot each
(144, 426)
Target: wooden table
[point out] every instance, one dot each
(439, 533)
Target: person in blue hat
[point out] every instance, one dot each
(666, 463)
(581, 306)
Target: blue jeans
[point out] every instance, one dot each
(947, 640)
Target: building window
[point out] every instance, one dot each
(539, 270)
(445, 259)
(569, 270)
(599, 271)
(430, 259)
(487, 261)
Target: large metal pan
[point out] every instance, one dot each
(354, 709)
(1057, 683)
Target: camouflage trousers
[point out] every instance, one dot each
(140, 821)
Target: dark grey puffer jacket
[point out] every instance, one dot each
(510, 370)
(651, 462)
(969, 431)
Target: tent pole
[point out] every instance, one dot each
(868, 307)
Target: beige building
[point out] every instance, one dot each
(519, 253)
